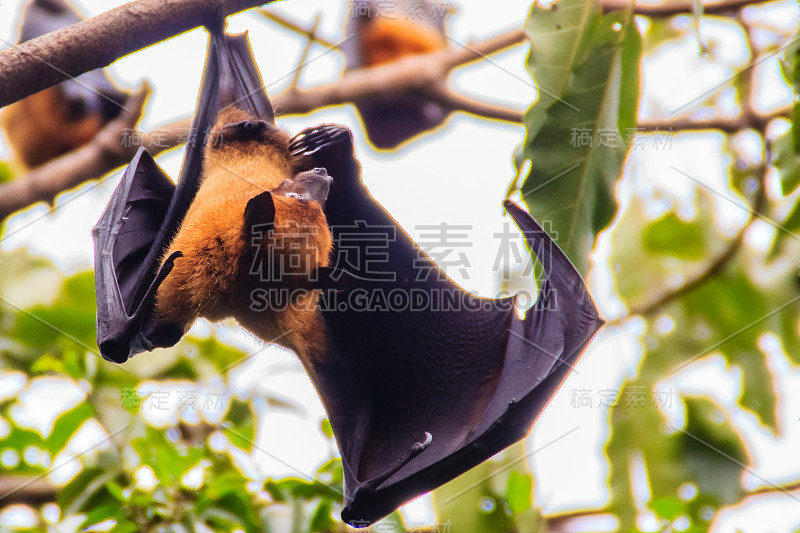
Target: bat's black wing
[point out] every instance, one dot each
(146, 210)
(391, 121)
(89, 93)
(421, 380)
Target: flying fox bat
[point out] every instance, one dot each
(420, 379)
(384, 33)
(59, 119)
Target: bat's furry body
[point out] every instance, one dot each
(384, 40)
(215, 277)
(385, 33)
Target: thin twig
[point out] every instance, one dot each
(453, 101)
(728, 125)
(304, 56)
(284, 22)
(668, 9)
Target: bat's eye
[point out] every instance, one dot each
(293, 195)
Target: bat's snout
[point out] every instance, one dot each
(312, 184)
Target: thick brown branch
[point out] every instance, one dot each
(50, 59)
(667, 9)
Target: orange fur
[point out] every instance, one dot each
(213, 279)
(385, 40)
(39, 127)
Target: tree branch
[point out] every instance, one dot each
(453, 101)
(418, 73)
(668, 9)
(727, 125)
(27, 490)
(561, 521)
(109, 149)
(52, 58)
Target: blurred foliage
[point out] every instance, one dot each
(674, 455)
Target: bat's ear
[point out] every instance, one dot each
(259, 213)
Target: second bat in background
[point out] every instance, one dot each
(382, 32)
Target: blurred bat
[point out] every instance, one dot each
(384, 33)
(420, 379)
(59, 119)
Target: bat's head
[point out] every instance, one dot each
(312, 185)
(236, 128)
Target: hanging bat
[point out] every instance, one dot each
(383, 33)
(420, 379)
(57, 120)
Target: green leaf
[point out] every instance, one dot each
(670, 235)
(326, 428)
(288, 489)
(668, 508)
(241, 506)
(101, 514)
(478, 501)
(558, 41)
(787, 161)
(519, 492)
(5, 172)
(68, 324)
(713, 451)
(165, 458)
(790, 66)
(85, 491)
(705, 453)
(66, 425)
(586, 66)
(322, 519)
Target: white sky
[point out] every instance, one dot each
(458, 174)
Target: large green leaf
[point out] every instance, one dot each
(558, 39)
(586, 67)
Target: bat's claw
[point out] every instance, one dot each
(311, 140)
